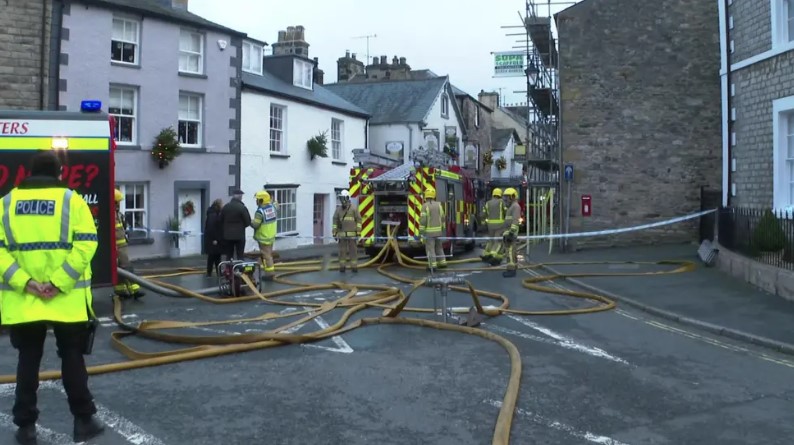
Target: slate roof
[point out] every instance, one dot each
(154, 8)
(397, 101)
(500, 137)
(320, 96)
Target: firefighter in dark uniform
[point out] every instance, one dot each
(124, 288)
(48, 239)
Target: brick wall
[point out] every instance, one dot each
(21, 46)
(756, 87)
(752, 28)
(640, 114)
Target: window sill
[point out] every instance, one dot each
(336, 162)
(193, 75)
(127, 147)
(125, 65)
(140, 241)
(287, 235)
(279, 155)
(193, 149)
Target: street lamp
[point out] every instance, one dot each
(532, 74)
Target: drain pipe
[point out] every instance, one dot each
(725, 84)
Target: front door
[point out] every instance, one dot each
(319, 218)
(190, 222)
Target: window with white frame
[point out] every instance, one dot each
(122, 105)
(124, 42)
(191, 52)
(277, 115)
(337, 127)
(135, 209)
(782, 23)
(444, 105)
(783, 146)
(302, 72)
(476, 115)
(286, 217)
(252, 57)
(190, 114)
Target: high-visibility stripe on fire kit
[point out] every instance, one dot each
(38, 143)
(458, 211)
(448, 174)
(366, 207)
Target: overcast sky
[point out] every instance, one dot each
(449, 37)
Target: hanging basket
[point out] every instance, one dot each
(501, 163)
(487, 158)
(165, 147)
(318, 146)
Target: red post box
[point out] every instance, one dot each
(587, 205)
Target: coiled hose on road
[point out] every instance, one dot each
(392, 300)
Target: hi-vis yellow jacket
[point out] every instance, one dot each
(47, 233)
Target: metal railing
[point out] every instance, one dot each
(764, 235)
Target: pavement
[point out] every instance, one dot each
(705, 298)
(620, 377)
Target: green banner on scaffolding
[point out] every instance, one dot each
(509, 64)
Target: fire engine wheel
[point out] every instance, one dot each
(389, 297)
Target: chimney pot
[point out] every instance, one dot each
(347, 53)
(395, 60)
(354, 56)
(402, 60)
(383, 60)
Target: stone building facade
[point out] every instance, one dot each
(640, 115)
(477, 119)
(758, 100)
(29, 45)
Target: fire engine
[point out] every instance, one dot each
(394, 197)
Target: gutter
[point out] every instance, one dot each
(410, 141)
(56, 35)
(725, 80)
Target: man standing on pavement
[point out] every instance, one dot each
(125, 288)
(47, 241)
(510, 235)
(235, 218)
(213, 241)
(431, 227)
(347, 229)
(494, 212)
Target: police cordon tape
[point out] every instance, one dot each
(476, 238)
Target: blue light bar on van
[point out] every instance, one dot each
(91, 106)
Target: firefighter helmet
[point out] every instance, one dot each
(118, 195)
(511, 192)
(497, 193)
(264, 196)
(344, 196)
(430, 193)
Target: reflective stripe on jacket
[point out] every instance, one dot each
(47, 233)
(121, 233)
(513, 217)
(431, 221)
(264, 224)
(347, 222)
(495, 213)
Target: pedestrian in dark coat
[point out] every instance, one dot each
(213, 240)
(235, 218)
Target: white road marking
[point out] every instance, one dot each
(110, 321)
(341, 344)
(567, 342)
(45, 435)
(586, 435)
(131, 432)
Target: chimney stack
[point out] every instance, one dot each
(374, 60)
(383, 60)
(402, 60)
(318, 74)
(354, 56)
(179, 4)
(347, 54)
(395, 60)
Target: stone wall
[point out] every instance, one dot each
(476, 134)
(23, 75)
(771, 279)
(639, 82)
(752, 28)
(755, 87)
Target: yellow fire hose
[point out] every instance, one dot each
(391, 299)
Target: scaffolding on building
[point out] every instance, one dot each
(543, 158)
